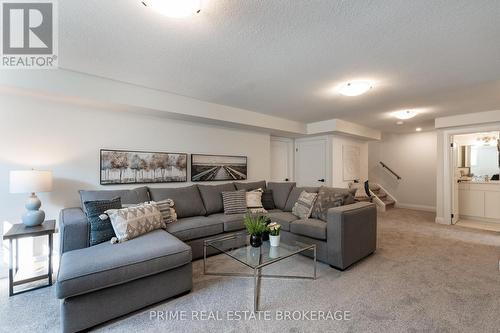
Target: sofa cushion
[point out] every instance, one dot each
(281, 190)
(310, 227)
(251, 185)
(293, 197)
(212, 196)
(283, 218)
(101, 230)
(195, 227)
(187, 200)
(231, 222)
(105, 265)
(134, 196)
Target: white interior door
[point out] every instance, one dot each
(281, 159)
(311, 162)
(454, 184)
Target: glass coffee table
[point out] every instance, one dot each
(237, 247)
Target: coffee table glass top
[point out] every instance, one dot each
(238, 247)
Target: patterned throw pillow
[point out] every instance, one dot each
(235, 202)
(167, 210)
(330, 197)
(267, 200)
(254, 201)
(132, 222)
(101, 229)
(304, 205)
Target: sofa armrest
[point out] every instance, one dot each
(74, 229)
(351, 233)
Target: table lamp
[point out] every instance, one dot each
(31, 181)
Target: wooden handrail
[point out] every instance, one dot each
(390, 170)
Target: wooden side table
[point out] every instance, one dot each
(17, 232)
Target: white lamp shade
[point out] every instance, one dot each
(28, 181)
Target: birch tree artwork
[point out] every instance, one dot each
(135, 167)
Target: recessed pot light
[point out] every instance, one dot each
(399, 122)
(406, 114)
(174, 8)
(354, 88)
(418, 129)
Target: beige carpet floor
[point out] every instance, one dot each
(424, 277)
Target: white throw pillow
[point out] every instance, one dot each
(254, 201)
(134, 221)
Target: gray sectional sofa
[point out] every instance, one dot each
(105, 281)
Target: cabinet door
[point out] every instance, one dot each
(471, 203)
(492, 204)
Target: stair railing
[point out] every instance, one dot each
(390, 170)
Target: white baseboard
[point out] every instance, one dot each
(417, 207)
(440, 220)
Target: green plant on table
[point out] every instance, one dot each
(255, 224)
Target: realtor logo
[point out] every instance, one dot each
(29, 34)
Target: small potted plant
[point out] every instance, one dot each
(256, 226)
(274, 233)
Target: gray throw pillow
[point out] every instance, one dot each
(304, 205)
(101, 230)
(330, 197)
(235, 202)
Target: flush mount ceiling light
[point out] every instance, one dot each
(174, 8)
(399, 122)
(406, 114)
(354, 88)
(418, 129)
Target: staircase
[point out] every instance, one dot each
(382, 198)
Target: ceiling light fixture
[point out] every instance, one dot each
(406, 114)
(399, 122)
(354, 88)
(418, 129)
(174, 8)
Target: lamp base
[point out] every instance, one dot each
(33, 216)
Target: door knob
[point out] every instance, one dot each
(321, 180)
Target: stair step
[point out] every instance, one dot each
(382, 196)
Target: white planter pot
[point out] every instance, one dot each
(274, 240)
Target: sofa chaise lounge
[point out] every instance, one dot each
(101, 282)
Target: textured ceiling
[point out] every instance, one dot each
(280, 57)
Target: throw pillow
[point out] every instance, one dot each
(235, 202)
(304, 205)
(101, 229)
(167, 210)
(267, 200)
(361, 194)
(330, 197)
(132, 222)
(254, 201)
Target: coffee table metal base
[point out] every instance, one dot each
(257, 273)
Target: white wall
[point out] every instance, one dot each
(414, 157)
(338, 163)
(66, 138)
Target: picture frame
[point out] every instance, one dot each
(118, 167)
(205, 167)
